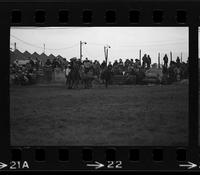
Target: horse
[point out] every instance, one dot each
(73, 77)
(86, 78)
(67, 71)
(106, 76)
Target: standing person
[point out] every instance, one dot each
(48, 70)
(148, 62)
(32, 63)
(144, 60)
(178, 61)
(103, 65)
(86, 64)
(121, 66)
(115, 63)
(110, 66)
(37, 64)
(165, 59)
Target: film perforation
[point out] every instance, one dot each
(110, 16)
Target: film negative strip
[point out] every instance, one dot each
(99, 85)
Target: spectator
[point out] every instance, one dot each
(48, 70)
(144, 60)
(165, 59)
(103, 65)
(148, 62)
(178, 61)
(110, 66)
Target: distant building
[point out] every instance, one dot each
(17, 55)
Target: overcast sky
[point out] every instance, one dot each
(125, 42)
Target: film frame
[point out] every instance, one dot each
(175, 13)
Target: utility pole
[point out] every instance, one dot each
(81, 49)
(140, 54)
(104, 47)
(15, 46)
(44, 48)
(170, 56)
(106, 53)
(181, 57)
(158, 60)
(106, 58)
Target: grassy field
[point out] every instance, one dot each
(137, 115)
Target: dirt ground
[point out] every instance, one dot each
(134, 115)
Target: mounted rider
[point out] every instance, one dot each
(87, 65)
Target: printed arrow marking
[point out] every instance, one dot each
(189, 165)
(3, 165)
(97, 165)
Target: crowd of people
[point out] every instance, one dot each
(172, 71)
(28, 73)
(23, 73)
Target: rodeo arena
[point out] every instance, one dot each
(83, 101)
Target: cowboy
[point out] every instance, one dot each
(87, 65)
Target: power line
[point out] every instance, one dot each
(27, 43)
(64, 48)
